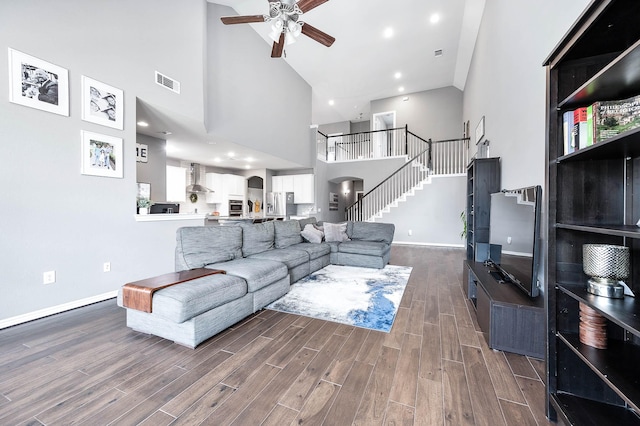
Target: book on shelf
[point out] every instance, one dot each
(611, 118)
(580, 128)
(568, 138)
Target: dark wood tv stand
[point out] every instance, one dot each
(511, 320)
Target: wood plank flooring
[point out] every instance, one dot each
(434, 367)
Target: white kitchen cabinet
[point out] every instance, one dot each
(287, 183)
(304, 189)
(215, 182)
(235, 186)
(282, 183)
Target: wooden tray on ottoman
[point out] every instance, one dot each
(139, 294)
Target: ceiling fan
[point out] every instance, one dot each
(286, 24)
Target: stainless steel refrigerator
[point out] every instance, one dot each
(280, 204)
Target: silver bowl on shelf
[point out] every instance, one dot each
(607, 265)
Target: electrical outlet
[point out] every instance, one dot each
(106, 267)
(508, 240)
(410, 232)
(49, 277)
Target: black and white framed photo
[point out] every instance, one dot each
(102, 104)
(101, 155)
(38, 84)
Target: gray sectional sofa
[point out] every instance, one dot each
(261, 261)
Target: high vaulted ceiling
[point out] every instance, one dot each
(362, 63)
(360, 67)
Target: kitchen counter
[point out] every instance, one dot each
(170, 216)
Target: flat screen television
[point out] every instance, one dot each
(515, 225)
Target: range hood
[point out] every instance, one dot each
(195, 180)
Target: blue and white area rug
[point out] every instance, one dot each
(363, 297)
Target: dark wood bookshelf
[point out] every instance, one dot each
(593, 198)
(483, 178)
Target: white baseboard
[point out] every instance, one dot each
(56, 309)
(412, 243)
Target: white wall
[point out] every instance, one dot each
(432, 114)
(54, 218)
(507, 82)
(255, 100)
(432, 214)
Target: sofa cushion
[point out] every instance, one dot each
(258, 273)
(314, 250)
(371, 231)
(335, 232)
(311, 234)
(199, 246)
(257, 237)
(287, 233)
(370, 248)
(289, 256)
(184, 301)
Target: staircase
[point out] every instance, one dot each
(425, 159)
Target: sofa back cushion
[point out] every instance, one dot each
(199, 246)
(335, 232)
(372, 231)
(287, 233)
(257, 237)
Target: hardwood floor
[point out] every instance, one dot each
(434, 367)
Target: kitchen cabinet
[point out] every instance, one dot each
(302, 186)
(235, 186)
(225, 186)
(215, 182)
(282, 183)
(304, 189)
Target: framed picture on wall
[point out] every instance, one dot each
(102, 104)
(101, 155)
(38, 84)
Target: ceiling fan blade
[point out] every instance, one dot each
(228, 20)
(307, 5)
(276, 50)
(317, 35)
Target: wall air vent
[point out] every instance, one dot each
(437, 52)
(168, 82)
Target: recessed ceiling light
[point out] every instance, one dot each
(388, 32)
(165, 132)
(142, 124)
(435, 18)
(401, 89)
(231, 154)
(398, 75)
(249, 159)
(331, 102)
(247, 166)
(217, 159)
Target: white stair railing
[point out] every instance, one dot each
(450, 158)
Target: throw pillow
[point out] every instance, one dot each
(311, 234)
(335, 232)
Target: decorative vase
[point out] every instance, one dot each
(143, 210)
(607, 265)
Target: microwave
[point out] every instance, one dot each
(235, 207)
